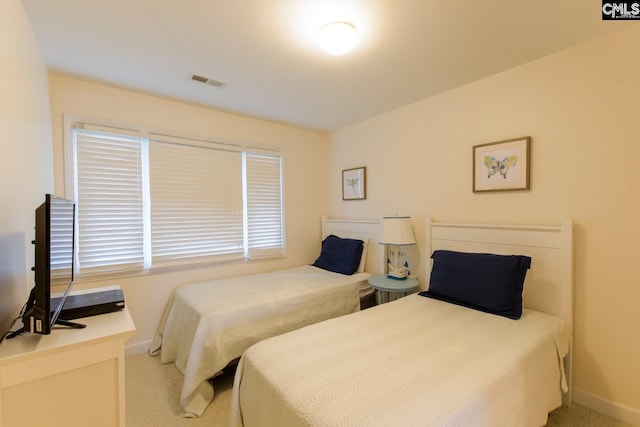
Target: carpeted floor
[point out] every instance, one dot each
(153, 393)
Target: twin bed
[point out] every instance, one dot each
(208, 325)
(460, 358)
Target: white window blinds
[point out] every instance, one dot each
(61, 244)
(150, 201)
(109, 202)
(196, 204)
(265, 229)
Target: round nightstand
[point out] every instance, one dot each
(384, 285)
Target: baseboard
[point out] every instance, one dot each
(615, 410)
(137, 348)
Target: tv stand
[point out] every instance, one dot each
(60, 322)
(71, 377)
(68, 324)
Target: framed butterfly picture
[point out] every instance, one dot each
(354, 184)
(502, 165)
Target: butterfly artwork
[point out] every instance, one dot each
(499, 166)
(502, 166)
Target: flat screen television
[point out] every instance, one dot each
(54, 261)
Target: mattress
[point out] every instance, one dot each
(209, 324)
(411, 362)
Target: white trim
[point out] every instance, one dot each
(615, 410)
(141, 130)
(137, 348)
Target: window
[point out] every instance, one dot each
(150, 201)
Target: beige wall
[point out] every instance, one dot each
(581, 108)
(305, 158)
(25, 163)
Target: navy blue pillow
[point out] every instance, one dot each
(340, 255)
(486, 282)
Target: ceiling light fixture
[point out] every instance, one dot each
(338, 38)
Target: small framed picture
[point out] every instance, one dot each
(502, 165)
(354, 184)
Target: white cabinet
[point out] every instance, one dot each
(72, 377)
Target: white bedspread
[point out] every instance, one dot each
(209, 324)
(412, 362)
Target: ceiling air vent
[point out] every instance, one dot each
(207, 80)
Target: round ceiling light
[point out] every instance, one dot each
(338, 38)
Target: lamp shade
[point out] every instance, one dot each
(396, 230)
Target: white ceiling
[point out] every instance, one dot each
(266, 53)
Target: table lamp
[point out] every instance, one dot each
(397, 232)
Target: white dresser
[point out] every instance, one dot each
(72, 377)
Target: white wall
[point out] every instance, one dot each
(581, 108)
(305, 159)
(26, 162)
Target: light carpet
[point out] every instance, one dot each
(153, 399)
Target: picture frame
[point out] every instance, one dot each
(354, 183)
(502, 165)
